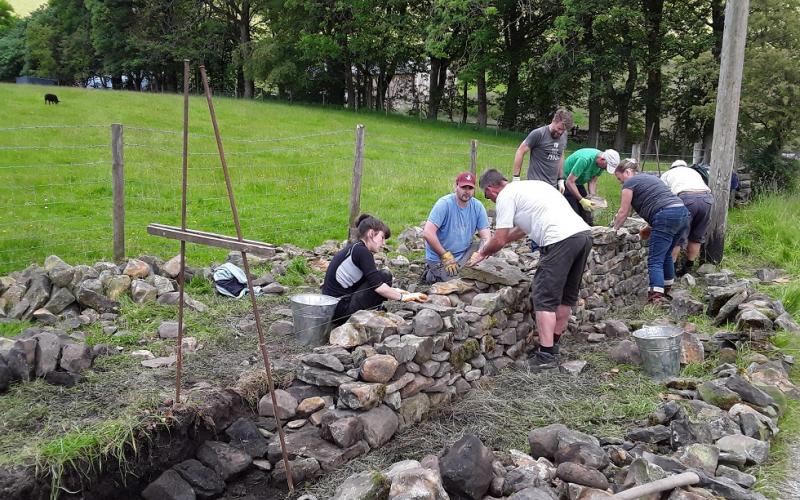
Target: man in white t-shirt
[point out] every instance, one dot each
(536, 209)
(687, 184)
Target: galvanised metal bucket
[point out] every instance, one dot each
(312, 314)
(660, 348)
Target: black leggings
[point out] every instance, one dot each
(364, 297)
(576, 206)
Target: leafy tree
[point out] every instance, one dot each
(7, 17)
(12, 50)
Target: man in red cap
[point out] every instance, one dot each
(448, 232)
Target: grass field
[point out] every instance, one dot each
(291, 168)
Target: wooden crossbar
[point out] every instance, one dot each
(210, 239)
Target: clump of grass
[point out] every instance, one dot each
(87, 449)
(296, 272)
(198, 285)
(13, 328)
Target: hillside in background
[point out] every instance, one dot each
(291, 168)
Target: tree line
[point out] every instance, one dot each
(632, 65)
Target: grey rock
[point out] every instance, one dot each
(683, 305)
(544, 440)
(626, 352)
(413, 409)
(59, 300)
(223, 458)
(426, 323)
(616, 329)
(169, 330)
(588, 454)
(287, 405)
(162, 362)
(754, 450)
(787, 323)
(303, 469)
(728, 489)
(574, 367)
(379, 424)
(752, 319)
(143, 292)
(38, 292)
(59, 271)
(379, 368)
(706, 268)
(244, 435)
(308, 443)
(361, 395)
(466, 468)
(172, 298)
(18, 365)
(717, 279)
(361, 486)
(730, 307)
(716, 393)
(169, 486)
(48, 351)
(323, 361)
(700, 456)
(321, 377)
(344, 432)
(348, 336)
(137, 269)
(75, 357)
(743, 479)
(718, 296)
(494, 271)
(281, 327)
(768, 274)
(653, 435)
(205, 482)
(580, 474)
(748, 391)
(417, 483)
(88, 297)
(117, 285)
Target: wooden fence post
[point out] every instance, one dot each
(355, 192)
(118, 176)
(697, 152)
(473, 157)
(726, 119)
(636, 152)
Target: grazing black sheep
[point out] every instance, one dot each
(50, 99)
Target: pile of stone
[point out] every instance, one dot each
(718, 436)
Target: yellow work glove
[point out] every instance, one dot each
(586, 204)
(414, 297)
(450, 264)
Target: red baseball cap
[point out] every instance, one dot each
(465, 179)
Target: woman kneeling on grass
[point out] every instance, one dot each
(665, 213)
(353, 277)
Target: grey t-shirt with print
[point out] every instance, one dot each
(649, 195)
(545, 155)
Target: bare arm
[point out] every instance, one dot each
(592, 186)
(560, 172)
(484, 235)
(624, 208)
(388, 292)
(573, 187)
(518, 157)
(429, 233)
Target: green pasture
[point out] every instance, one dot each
(291, 168)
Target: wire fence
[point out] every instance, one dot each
(56, 194)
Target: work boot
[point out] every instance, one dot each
(543, 360)
(667, 290)
(656, 298)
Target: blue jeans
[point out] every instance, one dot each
(668, 226)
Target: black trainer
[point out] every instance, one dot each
(543, 359)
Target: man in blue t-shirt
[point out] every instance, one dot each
(448, 232)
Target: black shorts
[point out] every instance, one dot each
(558, 278)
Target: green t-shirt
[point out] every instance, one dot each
(583, 165)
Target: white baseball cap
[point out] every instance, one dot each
(678, 163)
(612, 160)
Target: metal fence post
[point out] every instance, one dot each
(118, 176)
(355, 192)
